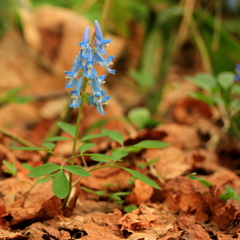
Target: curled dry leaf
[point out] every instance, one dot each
(196, 233)
(178, 135)
(172, 161)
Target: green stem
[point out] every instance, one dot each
(75, 143)
(16, 138)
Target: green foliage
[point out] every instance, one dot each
(29, 148)
(69, 128)
(12, 95)
(139, 116)
(43, 170)
(77, 170)
(84, 147)
(11, 169)
(116, 136)
(151, 144)
(57, 138)
(220, 92)
(60, 185)
(119, 153)
(141, 177)
(199, 179)
(102, 157)
(130, 208)
(49, 146)
(91, 136)
(144, 165)
(228, 194)
(28, 166)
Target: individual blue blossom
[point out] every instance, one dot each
(237, 77)
(100, 42)
(89, 70)
(97, 57)
(97, 89)
(75, 95)
(71, 75)
(99, 102)
(85, 49)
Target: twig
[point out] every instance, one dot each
(16, 138)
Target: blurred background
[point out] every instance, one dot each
(157, 43)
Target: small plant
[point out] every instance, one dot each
(83, 73)
(223, 93)
(228, 194)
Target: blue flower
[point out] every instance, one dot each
(83, 69)
(100, 43)
(96, 83)
(85, 49)
(75, 94)
(99, 102)
(97, 57)
(71, 75)
(237, 77)
(89, 70)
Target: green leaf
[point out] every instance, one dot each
(204, 80)
(23, 99)
(100, 193)
(27, 166)
(84, 147)
(69, 128)
(210, 100)
(119, 154)
(236, 198)
(10, 166)
(154, 160)
(102, 157)
(132, 149)
(77, 170)
(201, 180)
(43, 170)
(151, 144)
(116, 136)
(130, 208)
(30, 148)
(57, 138)
(49, 146)
(225, 79)
(142, 177)
(88, 190)
(228, 194)
(44, 179)
(139, 116)
(90, 136)
(14, 91)
(60, 185)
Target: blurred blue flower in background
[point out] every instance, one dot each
(237, 77)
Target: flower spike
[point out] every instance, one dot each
(84, 70)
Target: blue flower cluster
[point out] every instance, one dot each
(237, 77)
(83, 69)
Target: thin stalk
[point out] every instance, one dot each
(75, 143)
(16, 138)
